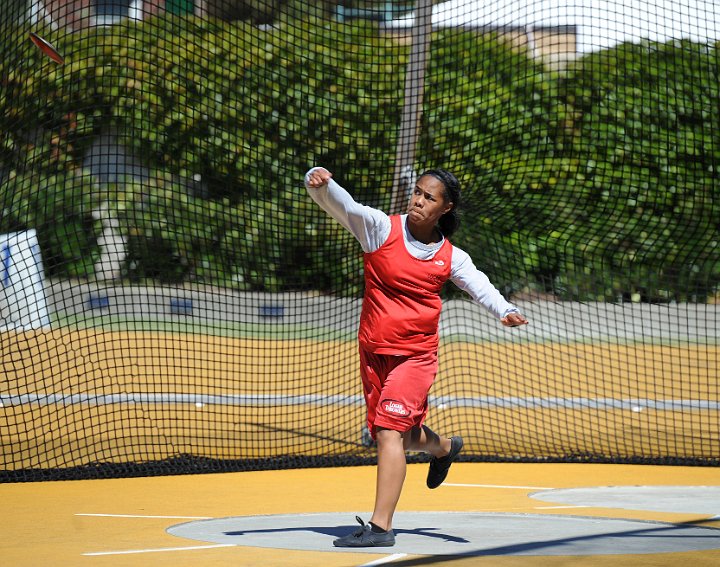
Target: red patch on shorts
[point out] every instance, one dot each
(391, 406)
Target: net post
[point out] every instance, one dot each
(403, 177)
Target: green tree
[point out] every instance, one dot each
(13, 11)
(598, 184)
(647, 132)
(493, 115)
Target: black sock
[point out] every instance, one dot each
(375, 529)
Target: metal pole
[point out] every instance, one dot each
(404, 176)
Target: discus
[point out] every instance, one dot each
(47, 48)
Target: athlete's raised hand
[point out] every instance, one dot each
(317, 177)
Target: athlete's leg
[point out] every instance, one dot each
(391, 469)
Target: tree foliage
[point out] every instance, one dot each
(600, 183)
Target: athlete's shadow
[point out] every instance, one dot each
(339, 531)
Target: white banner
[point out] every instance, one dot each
(22, 282)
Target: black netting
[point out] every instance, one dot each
(172, 300)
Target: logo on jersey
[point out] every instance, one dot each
(391, 406)
(439, 263)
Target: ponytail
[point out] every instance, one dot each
(450, 221)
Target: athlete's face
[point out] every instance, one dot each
(427, 202)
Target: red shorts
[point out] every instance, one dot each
(396, 388)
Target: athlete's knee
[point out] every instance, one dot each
(387, 436)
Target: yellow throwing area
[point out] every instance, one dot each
(124, 522)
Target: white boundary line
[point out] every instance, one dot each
(157, 550)
(518, 488)
(384, 560)
(152, 517)
(558, 507)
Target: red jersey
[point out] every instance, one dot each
(401, 307)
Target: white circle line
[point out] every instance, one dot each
(498, 486)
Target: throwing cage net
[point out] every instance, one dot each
(172, 300)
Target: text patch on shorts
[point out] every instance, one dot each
(392, 406)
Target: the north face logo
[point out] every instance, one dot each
(391, 406)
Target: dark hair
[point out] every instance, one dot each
(450, 221)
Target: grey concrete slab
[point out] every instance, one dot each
(460, 533)
(677, 499)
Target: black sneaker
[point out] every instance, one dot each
(439, 466)
(365, 537)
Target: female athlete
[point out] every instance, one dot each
(407, 259)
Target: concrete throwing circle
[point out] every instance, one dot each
(674, 499)
(459, 533)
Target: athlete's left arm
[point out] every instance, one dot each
(475, 283)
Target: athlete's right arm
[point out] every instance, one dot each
(370, 226)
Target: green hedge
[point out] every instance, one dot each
(599, 183)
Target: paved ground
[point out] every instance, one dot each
(498, 515)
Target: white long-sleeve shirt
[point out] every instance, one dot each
(371, 227)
